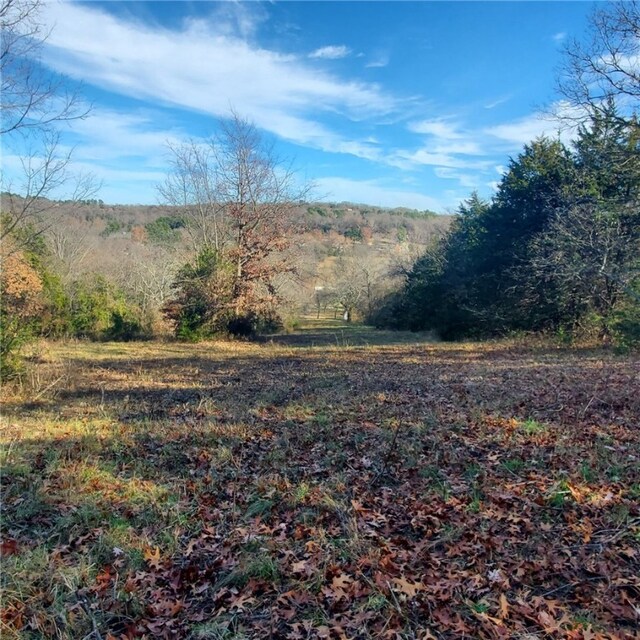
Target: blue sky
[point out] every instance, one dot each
(390, 103)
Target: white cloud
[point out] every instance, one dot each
(372, 192)
(108, 135)
(425, 156)
(459, 147)
(378, 61)
(126, 152)
(465, 180)
(313, 134)
(559, 37)
(469, 155)
(332, 52)
(241, 18)
(445, 142)
(439, 128)
(206, 66)
(522, 131)
(497, 102)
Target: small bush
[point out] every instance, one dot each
(113, 226)
(354, 233)
(626, 327)
(21, 293)
(290, 324)
(241, 327)
(164, 230)
(124, 327)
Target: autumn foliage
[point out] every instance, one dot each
(21, 298)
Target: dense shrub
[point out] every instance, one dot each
(164, 230)
(203, 304)
(21, 295)
(208, 302)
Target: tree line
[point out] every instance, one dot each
(557, 248)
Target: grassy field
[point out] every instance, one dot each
(332, 483)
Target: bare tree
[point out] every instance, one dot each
(30, 205)
(359, 281)
(69, 248)
(606, 66)
(32, 103)
(149, 277)
(190, 186)
(31, 99)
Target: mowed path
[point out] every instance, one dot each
(336, 483)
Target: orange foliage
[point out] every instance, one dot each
(21, 287)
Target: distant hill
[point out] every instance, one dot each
(141, 247)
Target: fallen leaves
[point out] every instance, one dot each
(281, 506)
(407, 587)
(8, 547)
(152, 556)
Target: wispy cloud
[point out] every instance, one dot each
(457, 150)
(559, 37)
(439, 128)
(465, 180)
(428, 155)
(376, 193)
(280, 92)
(381, 59)
(524, 130)
(108, 135)
(497, 102)
(459, 147)
(332, 52)
(447, 145)
(127, 152)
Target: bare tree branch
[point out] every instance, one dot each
(30, 97)
(605, 67)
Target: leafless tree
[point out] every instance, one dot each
(69, 247)
(32, 103)
(238, 199)
(29, 205)
(31, 99)
(606, 66)
(190, 186)
(359, 281)
(149, 277)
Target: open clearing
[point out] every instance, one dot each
(359, 488)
